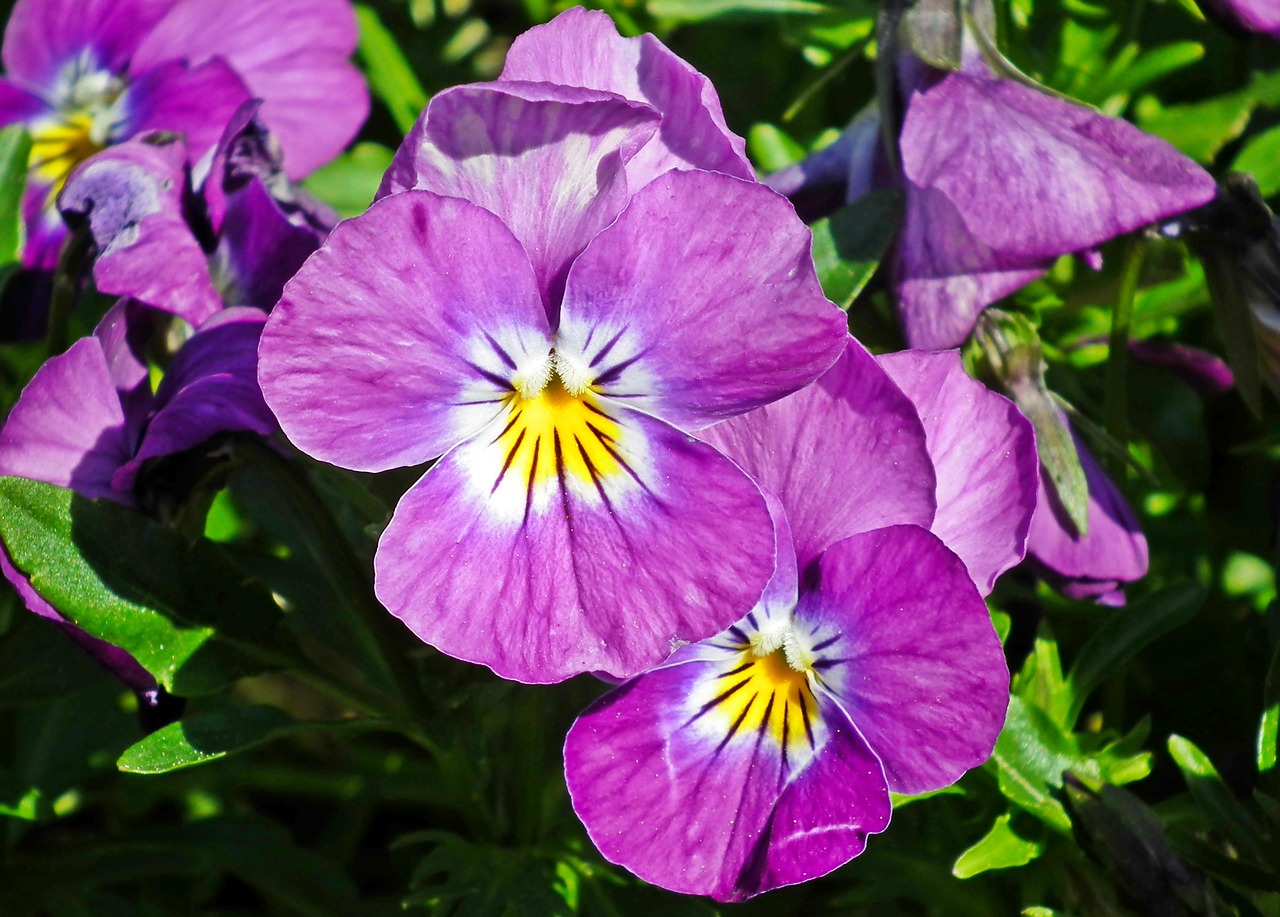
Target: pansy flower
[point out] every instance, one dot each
(765, 756)
(88, 420)
(234, 239)
(544, 311)
(1245, 16)
(82, 75)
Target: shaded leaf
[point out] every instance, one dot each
(1219, 805)
(848, 246)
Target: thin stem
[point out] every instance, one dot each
(1117, 403)
(72, 259)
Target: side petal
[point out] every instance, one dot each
(595, 546)
(292, 54)
(260, 248)
(1069, 178)
(197, 102)
(694, 253)
(917, 665)
(45, 39)
(132, 196)
(583, 48)
(546, 159)
(984, 454)
(68, 427)
(846, 455)
(398, 338)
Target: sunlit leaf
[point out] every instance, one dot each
(1000, 848)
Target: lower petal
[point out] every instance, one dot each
(548, 556)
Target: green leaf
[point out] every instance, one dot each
(138, 585)
(349, 182)
(465, 879)
(1260, 157)
(15, 154)
(1219, 805)
(1150, 66)
(391, 78)
(1199, 129)
(701, 10)
(209, 736)
(1040, 680)
(771, 148)
(1124, 634)
(1001, 848)
(17, 799)
(1030, 758)
(1269, 728)
(848, 246)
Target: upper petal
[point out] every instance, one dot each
(845, 455)
(292, 54)
(917, 664)
(984, 454)
(546, 159)
(575, 538)
(398, 338)
(695, 253)
(583, 48)
(195, 101)
(1035, 176)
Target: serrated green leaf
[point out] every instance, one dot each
(1219, 805)
(391, 78)
(209, 736)
(1040, 680)
(848, 246)
(1030, 757)
(349, 182)
(137, 584)
(1000, 848)
(15, 153)
(1260, 157)
(1124, 634)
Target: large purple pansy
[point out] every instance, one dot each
(765, 756)
(83, 75)
(550, 330)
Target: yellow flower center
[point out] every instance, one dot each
(59, 145)
(766, 693)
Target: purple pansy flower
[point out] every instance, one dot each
(83, 75)
(244, 231)
(1094, 565)
(544, 310)
(765, 756)
(88, 420)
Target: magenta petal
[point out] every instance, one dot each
(45, 36)
(695, 253)
(17, 105)
(1261, 16)
(132, 196)
(583, 48)
(543, 576)
(546, 159)
(1113, 551)
(845, 455)
(922, 672)
(397, 339)
(1068, 177)
(292, 54)
(984, 454)
(261, 248)
(196, 102)
(67, 427)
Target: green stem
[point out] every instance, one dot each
(72, 259)
(1117, 403)
(333, 553)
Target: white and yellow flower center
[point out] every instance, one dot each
(86, 116)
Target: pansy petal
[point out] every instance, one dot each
(197, 102)
(260, 248)
(376, 369)
(594, 542)
(1103, 176)
(944, 276)
(917, 664)
(290, 53)
(694, 253)
(824, 814)
(546, 159)
(46, 39)
(18, 106)
(132, 196)
(1113, 551)
(211, 388)
(984, 454)
(583, 48)
(845, 455)
(67, 427)
(665, 798)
